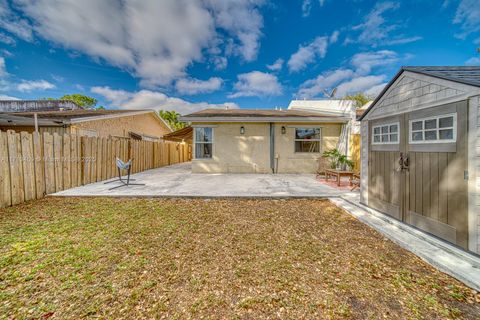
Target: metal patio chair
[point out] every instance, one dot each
(127, 166)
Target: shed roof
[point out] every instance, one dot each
(462, 74)
(468, 75)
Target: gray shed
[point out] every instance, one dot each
(420, 152)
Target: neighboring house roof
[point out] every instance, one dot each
(8, 120)
(36, 105)
(460, 74)
(250, 115)
(68, 117)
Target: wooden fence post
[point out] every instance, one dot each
(66, 162)
(49, 163)
(27, 160)
(5, 188)
(16, 169)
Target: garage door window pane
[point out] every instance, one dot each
(446, 122)
(446, 134)
(376, 130)
(393, 128)
(431, 124)
(417, 125)
(417, 136)
(431, 135)
(394, 138)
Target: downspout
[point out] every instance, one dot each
(272, 147)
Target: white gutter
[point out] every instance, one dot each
(266, 119)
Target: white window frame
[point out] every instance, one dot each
(195, 142)
(437, 118)
(388, 133)
(319, 139)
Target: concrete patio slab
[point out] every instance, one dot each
(177, 180)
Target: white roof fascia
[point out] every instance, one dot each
(266, 119)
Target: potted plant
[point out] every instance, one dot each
(337, 160)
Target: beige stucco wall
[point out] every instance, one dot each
(143, 124)
(291, 162)
(250, 153)
(233, 152)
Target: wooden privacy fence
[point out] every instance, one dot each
(33, 165)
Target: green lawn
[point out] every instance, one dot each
(179, 258)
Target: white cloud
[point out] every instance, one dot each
(277, 65)
(194, 86)
(307, 6)
(402, 40)
(307, 54)
(256, 83)
(7, 84)
(334, 36)
(3, 69)
(314, 87)
(365, 61)
(345, 80)
(148, 99)
(154, 40)
(474, 61)
(5, 97)
(32, 85)
(375, 30)
(356, 78)
(7, 39)
(468, 17)
(12, 23)
(375, 90)
(243, 21)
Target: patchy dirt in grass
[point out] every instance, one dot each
(240, 259)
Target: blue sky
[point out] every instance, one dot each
(188, 55)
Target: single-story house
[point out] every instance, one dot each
(262, 141)
(421, 152)
(350, 133)
(137, 124)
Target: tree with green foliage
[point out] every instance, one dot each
(360, 98)
(171, 117)
(81, 100)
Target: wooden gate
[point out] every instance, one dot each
(421, 178)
